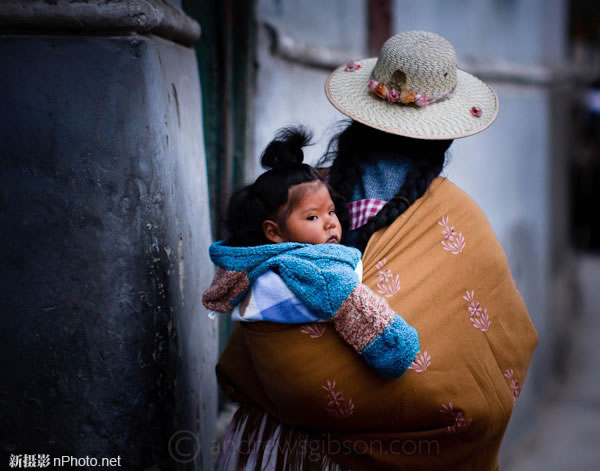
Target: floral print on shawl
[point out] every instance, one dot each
(313, 330)
(479, 317)
(459, 421)
(513, 384)
(453, 242)
(337, 406)
(388, 284)
(421, 363)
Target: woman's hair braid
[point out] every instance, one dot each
(358, 143)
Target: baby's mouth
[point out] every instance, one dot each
(333, 240)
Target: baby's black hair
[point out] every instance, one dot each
(267, 197)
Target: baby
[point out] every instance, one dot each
(283, 262)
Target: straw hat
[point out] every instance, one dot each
(413, 89)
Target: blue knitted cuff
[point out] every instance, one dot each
(393, 351)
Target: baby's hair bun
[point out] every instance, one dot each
(286, 148)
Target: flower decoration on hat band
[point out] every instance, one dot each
(476, 111)
(403, 96)
(352, 66)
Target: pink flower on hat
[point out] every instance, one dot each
(393, 96)
(352, 66)
(421, 100)
(373, 85)
(476, 111)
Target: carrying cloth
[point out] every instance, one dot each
(293, 283)
(441, 265)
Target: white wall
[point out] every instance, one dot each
(522, 31)
(288, 93)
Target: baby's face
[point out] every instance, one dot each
(313, 219)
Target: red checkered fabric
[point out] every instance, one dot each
(363, 210)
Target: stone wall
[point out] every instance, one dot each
(106, 350)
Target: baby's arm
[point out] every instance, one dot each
(386, 341)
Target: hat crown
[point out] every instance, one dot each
(418, 61)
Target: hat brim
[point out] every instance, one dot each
(450, 118)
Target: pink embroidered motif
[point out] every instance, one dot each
(479, 317)
(514, 385)
(388, 284)
(453, 242)
(459, 422)
(363, 210)
(421, 363)
(337, 405)
(314, 330)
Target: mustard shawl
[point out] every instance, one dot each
(441, 267)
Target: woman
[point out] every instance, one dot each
(307, 400)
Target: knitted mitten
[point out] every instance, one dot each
(385, 340)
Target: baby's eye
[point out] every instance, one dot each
(312, 218)
(332, 212)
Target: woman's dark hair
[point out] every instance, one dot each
(251, 205)
(358, 143)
